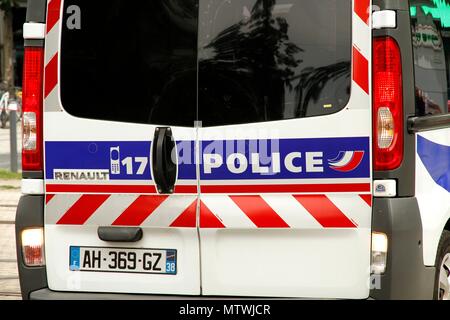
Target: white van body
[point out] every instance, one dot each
(277, 208)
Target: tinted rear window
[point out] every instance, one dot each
(134, 63)
(430, 21)
(174, 62)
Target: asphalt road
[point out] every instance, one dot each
(5, 146)
(9, 282)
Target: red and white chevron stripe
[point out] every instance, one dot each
(361, 43)
(121, 210)
(216, 211)
(52, 42)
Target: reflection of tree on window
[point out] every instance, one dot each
(257, 69)
(251, 57)
(313, 81)
(430, 23)
(425, 104)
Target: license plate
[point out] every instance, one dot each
(126, 260)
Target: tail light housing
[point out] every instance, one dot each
(387, 104)
(32, 106)
(33, 247)
(379, 252)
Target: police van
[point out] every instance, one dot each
(248, 148)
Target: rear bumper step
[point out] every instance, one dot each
(47, 294)
(406, 275)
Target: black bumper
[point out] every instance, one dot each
(406, 276)
(46, 294)
(30, 214)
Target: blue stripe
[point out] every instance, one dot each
(330, 147)
(309, 155)
(95, 155)
(436, 158)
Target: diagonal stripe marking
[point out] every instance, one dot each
(362, 10)
(51, 75)
(109, 211)
(53, 14)
(83, 209)
(354, 207)
(227, 211)
(139, 210)
(51, 43)
(58, 207)
(324, 211)
(367, 198)
(208, 219)
(48, 198)
(188, 219)
(360, 70)
(291, 211)
(259, 212)
(168, 211)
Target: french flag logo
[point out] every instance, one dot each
(347, 161)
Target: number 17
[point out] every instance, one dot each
(128, 163)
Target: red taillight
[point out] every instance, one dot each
(387, 104)
(32, 104)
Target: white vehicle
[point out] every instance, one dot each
(246, 148)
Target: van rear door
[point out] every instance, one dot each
(285, 144)
(116, 76)
(282, 189)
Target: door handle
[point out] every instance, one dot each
(164, 168)
(119, 234)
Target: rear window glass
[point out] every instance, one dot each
(431, 44)
(174, 62)
(130, 61)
